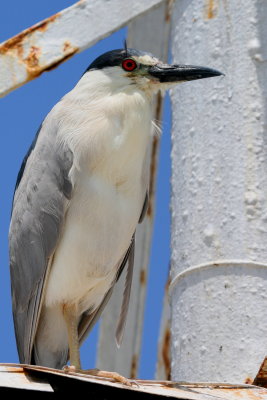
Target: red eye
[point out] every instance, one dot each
(129, 64)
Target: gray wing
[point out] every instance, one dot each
(40, 198)
(128, 281)
(126, 296)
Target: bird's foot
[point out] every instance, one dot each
(102, 374)
(70, 368)
(111, 375)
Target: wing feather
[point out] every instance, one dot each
(126, 296)
(41, 194)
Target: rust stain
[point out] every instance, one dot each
(153, 169)
(168, 12)
(14, 369)
(67, 46)
(153, 163)
(249, 381)
(167, 285)
(158, 106)
(211, 9)
(32, 61)
(19, 49)
(33, 72)
(15, 43)
(166, 353)
(142, 277)
(261, 378)
(65, 58)
(134, 367)
(242, 393)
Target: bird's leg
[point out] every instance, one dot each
(71, 319)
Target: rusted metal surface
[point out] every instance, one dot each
(261, 378)
(168, 11)
(21, 50)
(143, 277)
(134, 366)
(16, 42)
(43, 379)
(153, 169)
(141, 35)
(52, 41)
(166, 352)
(164, 344)
(211, 9)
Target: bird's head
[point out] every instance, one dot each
(128, 69)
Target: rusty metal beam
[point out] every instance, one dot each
(55, 39)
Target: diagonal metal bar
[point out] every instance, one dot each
(55, 39)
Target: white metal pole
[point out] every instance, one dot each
(219, 185)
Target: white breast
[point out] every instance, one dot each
(110, 182)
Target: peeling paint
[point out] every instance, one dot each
(15, 43)
(14, 48)
(32, 61)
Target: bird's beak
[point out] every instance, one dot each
(180, 73)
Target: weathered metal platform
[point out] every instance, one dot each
(36, 380)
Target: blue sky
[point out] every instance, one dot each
(21, 113)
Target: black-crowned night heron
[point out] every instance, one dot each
(80, 193)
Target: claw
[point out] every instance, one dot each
(102, 374)
(69, 368)
(110, 375)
